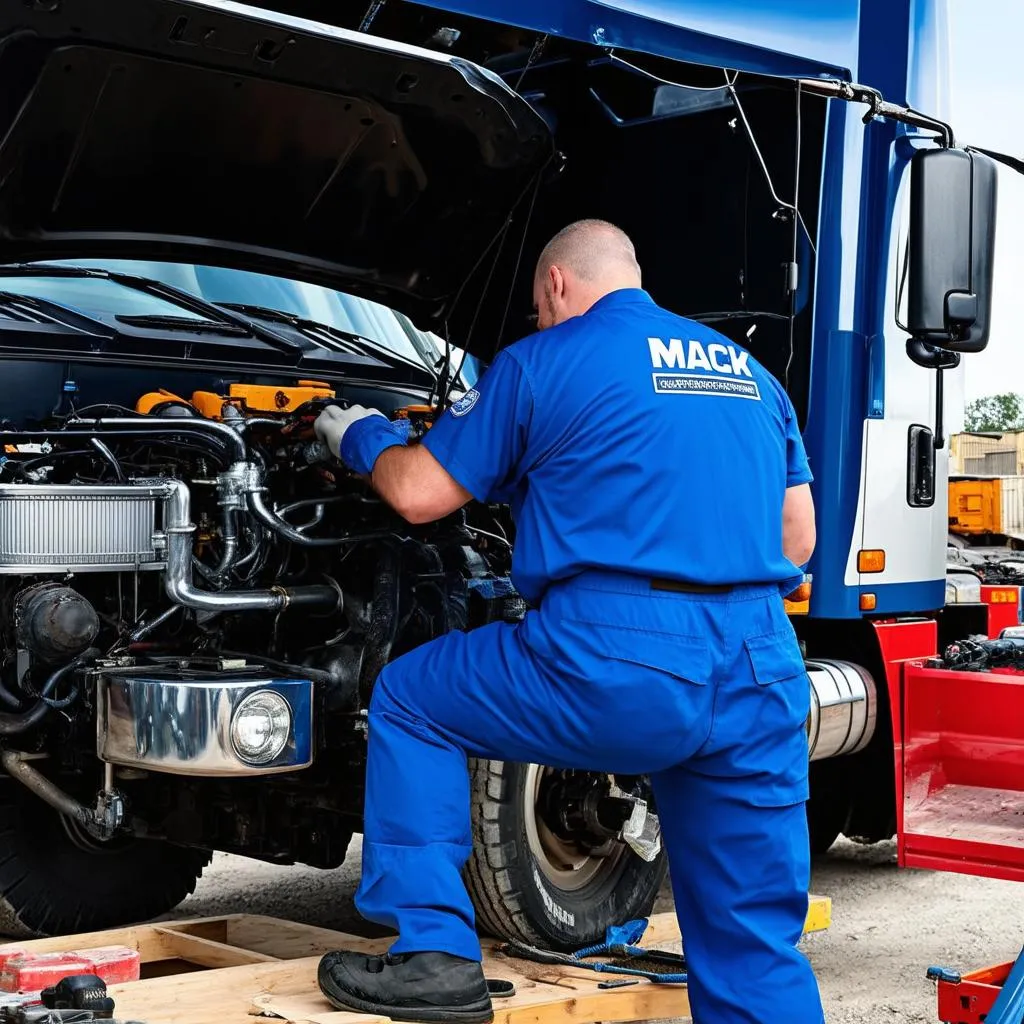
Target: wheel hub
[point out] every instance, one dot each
(572, 824)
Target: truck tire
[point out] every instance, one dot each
(56, 880)
(527, 885)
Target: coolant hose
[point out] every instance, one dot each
(12, 725)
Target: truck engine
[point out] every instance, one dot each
(196, 600)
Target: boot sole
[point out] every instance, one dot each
(472, 1014)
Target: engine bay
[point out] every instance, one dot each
(196, 600)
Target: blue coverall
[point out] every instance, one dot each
(632, 445)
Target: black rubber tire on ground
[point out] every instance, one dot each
(49, 885)
(827, 817)
(513, 897)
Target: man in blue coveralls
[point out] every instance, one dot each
(661, 495)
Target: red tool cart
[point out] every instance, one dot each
(959, 719)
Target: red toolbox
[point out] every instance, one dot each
(21, 971)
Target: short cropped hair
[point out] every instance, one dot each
(589, 248)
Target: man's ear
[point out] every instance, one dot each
(557, 282)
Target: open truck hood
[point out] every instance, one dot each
(215, 133)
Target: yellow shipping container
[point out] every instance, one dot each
(975, 505)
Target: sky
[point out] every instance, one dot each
(986, 77)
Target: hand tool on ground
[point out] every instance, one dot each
(620, 952)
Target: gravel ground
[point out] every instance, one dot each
(888, 925)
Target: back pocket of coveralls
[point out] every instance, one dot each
(774, 657)
(684, 657)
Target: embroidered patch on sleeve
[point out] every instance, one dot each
(465, 403)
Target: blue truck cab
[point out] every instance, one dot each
(215, 218)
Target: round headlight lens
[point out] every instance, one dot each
(260, 726)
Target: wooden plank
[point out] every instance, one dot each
(207, 953)
(144, 938)
(264, 966)
(221, 996)
(307, 1010)
(290, 940)
(148, 939)
(576, 998)
(289, 988)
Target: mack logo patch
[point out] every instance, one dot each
(692, 355)
(684, 384)
(465, 403)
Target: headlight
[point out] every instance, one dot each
(261, 726)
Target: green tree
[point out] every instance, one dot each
(995, 413)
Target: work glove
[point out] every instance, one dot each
(330, 426)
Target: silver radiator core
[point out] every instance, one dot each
(81, 527)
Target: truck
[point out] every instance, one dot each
(216, 219)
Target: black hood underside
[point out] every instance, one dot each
(154, 129)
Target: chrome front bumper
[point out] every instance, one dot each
(183, 725)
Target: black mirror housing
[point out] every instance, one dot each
(952, 246)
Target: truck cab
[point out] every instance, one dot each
(789, 177)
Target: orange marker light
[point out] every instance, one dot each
(871, 561)
(868, 602)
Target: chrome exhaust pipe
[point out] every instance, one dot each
(181, 589)
(844, 708)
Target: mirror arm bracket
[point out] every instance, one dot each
(931, 357)
(878, 106)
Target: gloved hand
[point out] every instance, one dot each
(331, 424)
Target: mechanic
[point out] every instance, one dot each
(661, 495)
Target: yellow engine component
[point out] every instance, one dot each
(257, 399)
(263, 398)
(975, 506)
(211, 405)
(421, 417)
(153, 400)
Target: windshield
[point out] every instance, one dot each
(91, 295)
(364, 317)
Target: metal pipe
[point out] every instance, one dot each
(17, 767)
(110, 457)
(147, 627)
(179, 424)
(844, 706)
(274, 522)
(178, 580)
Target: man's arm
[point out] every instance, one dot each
(471, 452)
(798, 530)
(416, 485)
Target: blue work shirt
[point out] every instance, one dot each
(630, 440)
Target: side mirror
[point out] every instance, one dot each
(952, 242)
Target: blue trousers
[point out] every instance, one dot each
(707, 694)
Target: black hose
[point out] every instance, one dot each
(12, 725)
(380, 636)
(222, 439)
(8, 698)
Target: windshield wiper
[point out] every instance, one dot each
(31, 309)
(182, 323)
(217, 316)
(356, 343)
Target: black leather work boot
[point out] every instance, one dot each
(430, 987)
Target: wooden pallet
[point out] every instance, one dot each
(240, 968)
